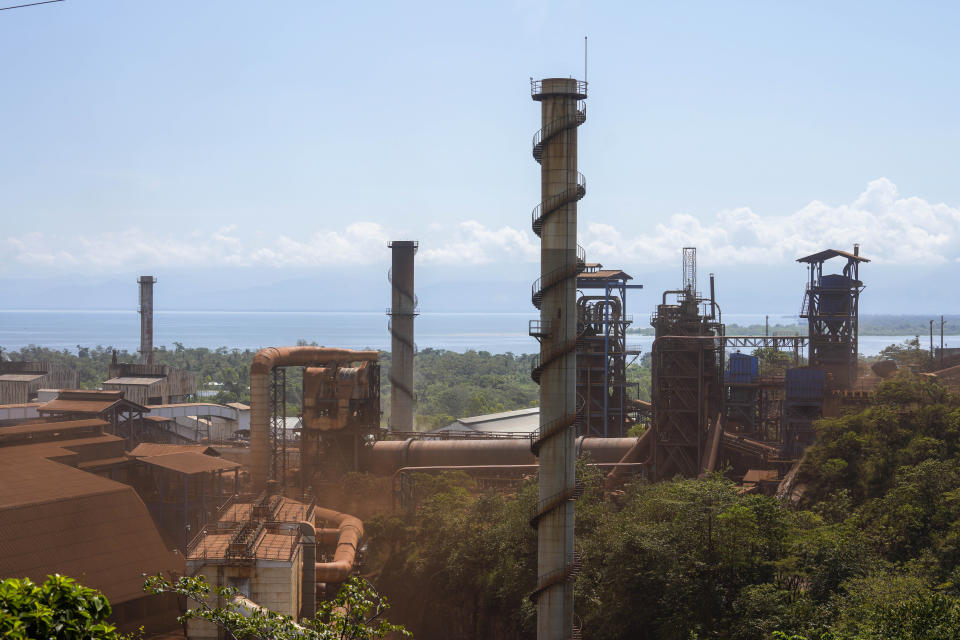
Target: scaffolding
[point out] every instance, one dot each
(831, 305)
(603, 354)
(687, 375)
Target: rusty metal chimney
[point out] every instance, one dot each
(402, 311)
(554, 293)
(146, 318)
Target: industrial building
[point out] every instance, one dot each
(60, 512)
(150, 384)
(21, 381)
(248, 518)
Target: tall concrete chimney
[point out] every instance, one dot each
(402, 311)
(146, 318)
(554, 293)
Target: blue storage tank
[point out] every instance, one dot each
(742, 368)
(835, 294)
(805, 384)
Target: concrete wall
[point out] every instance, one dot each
(273, 584)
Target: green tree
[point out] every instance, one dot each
(354, 614)
(59, 609)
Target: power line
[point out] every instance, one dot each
(32, 4)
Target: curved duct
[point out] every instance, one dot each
(263, 364)
(348, 542)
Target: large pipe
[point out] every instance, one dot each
(146, 318)
(640, 452)
(403, 309)
(263, 364)
(385, 457)
(348, 542)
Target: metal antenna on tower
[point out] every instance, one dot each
(584, 59)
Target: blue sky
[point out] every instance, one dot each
(282, 140)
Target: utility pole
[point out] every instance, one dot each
(941, 342)
(931, 341)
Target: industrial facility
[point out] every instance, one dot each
(179, 488)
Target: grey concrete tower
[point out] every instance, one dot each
(402, 311)
(554, 293)
(146, 318)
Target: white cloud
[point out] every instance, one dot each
(890, 228)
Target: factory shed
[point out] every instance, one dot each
(20, 381)
(183, 486)
(57, 518)
(151, 384)
(521, 422)
(123, 416)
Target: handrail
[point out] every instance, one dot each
(556, 126)
(536, 89)
(556, 276)
(554, 202)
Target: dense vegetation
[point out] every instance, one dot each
(871, 551)
(449, 385)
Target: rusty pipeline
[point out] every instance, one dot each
(263, 363)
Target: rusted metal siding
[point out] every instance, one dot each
(175, 384)
(53, 376)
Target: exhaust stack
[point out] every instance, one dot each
(146, 318)
(555, 295)
(402, 311)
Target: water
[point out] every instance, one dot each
(493, 332)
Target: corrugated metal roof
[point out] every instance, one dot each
(57, 519)
(189, 463)
(605, 274)
(89, 394)
(134, 381)
(90, 404)
(148, 449)
(77, 406)
(103, 462)
(24, 433)
(519, 421)
(20, 377)
(831, 253)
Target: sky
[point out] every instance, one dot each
(230, 147)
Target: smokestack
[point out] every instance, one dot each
(554, 293)
(713, 300)
(856, 249)
(146, 318)
(402, 311)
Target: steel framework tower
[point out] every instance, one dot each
(603, 352)
(555, 294)
(687, 376)
(831, 304)
(402, 311)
